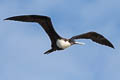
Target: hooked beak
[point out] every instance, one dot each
(81, 43)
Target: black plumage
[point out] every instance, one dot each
(47, 25)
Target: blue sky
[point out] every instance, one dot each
(23, 44)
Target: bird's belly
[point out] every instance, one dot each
(63, 44)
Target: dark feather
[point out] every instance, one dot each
(49, 51)
(44, 21)
(98, 38)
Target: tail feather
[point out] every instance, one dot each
(49, 51)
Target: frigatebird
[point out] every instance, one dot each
(58, 42)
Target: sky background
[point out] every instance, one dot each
(22, 44)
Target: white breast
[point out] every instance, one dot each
(63, 44)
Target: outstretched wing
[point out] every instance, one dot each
(98, 38)
(44, 21)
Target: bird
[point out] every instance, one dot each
(58, 42)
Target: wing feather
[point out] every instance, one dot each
(44, 21)
(98, 38)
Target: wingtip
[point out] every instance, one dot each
(6, 19)
(112, 46)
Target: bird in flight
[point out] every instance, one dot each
(58, 42)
